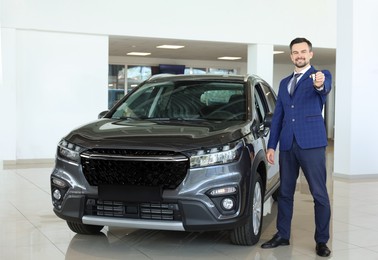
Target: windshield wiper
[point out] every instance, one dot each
(126, 118)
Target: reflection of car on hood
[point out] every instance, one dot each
(180, 152)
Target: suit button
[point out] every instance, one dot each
(292, 106)
(293, 120)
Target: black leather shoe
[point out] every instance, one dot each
(276, 241)
(322, 249)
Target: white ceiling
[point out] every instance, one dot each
(204, 50)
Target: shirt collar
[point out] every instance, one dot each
(303, 71)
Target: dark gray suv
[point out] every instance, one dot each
(180, 152)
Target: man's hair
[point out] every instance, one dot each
(300, 40)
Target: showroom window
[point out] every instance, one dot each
(210, 71)
(116, 84)
(136, 74)
(118, 87)
(195, 71)
(222, 71)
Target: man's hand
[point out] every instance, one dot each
(270, 156)
(318, 79)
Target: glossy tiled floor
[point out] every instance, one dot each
(32, 231)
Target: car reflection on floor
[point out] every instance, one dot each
(121, 243)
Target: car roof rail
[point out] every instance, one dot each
(162, 75)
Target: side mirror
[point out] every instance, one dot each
(268, 120)
(102, 114)
(265, 126)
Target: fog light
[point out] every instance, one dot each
(228, 203)
(57, 195)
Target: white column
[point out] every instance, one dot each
(8, 104)
(356, 119)
(260, 61)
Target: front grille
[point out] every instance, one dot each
(156, 211)
(134, 167)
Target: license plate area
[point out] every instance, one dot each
(130, 193)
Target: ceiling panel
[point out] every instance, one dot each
(203, 50)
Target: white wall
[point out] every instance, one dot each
(245, 21)
(60, 81)
(55, 53)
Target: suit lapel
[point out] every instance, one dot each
(286, 84)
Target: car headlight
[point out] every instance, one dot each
(69, 151)
(216, 155)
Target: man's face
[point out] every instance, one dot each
(301, 54)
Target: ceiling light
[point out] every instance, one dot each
(135, 53)
(229, 58)
(166, 46)
(278, 52)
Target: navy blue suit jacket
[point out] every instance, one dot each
(300, 115)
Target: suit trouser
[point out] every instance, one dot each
(313, 164)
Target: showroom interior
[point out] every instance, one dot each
(64, 62)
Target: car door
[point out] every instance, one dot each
(265, 103)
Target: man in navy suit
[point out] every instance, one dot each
(298, 126)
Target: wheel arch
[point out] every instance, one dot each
(259, 167)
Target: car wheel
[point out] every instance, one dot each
(250, 233)
(83, 228)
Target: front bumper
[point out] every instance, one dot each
(195, 216)
(189, 207)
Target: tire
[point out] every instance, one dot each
(84, 229)
(250, 233)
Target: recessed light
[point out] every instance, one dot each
(135, 53)
(278, 52)
(229, 58)
(167, 46)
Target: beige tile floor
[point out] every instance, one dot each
(32, 231)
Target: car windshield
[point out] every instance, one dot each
(185, 100)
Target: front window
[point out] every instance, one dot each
(186, 100)
(137, 74)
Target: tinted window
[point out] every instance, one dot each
(259, 104)
(270, 97)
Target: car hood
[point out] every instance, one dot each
(152, 135)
